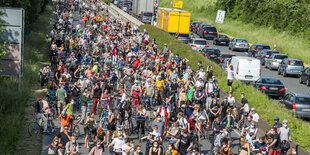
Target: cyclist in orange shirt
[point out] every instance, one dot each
(65, 119)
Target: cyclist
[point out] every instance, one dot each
(38, 110)
(90, 128)
(96, 150)
(214, 109)
(171, 150)
(117, 144)
(61, 95)
(65, 119)
(111, 124)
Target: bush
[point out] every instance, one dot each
(265, 107)
(107, 2)
(13, 103)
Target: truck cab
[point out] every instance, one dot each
(146, 17)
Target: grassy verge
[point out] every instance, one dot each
(13, 103)
(205, 12)
(266, 107)
(107, 2)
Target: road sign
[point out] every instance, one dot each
(178, 4)
(220, 16)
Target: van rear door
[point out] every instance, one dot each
(249, 69)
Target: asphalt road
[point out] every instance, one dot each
(205, 143)
(291, 83)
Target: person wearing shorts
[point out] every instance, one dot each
(61, 96)
(230, 77)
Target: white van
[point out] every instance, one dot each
(246, 69)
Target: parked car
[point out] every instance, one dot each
(221, 40)
(246, 69)
(183, 37)
(274, 61)
(271, 87)
(207, 31)
(198, 44)
(193, 25)
(265, 54)
(290, 67)
(239, 44)
(211, 53)
(305, 77)
(224, 56)
(298, 103)
(255, 48)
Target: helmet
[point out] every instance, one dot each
(276, 118)
(63, 113)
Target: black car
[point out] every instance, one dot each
(223, 57)
(211, 53)
(207, 32)
(221, 40)
(305, 77)
(270, 86)
(298, 103)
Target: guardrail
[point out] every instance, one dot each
(123, 15)
(264, 126)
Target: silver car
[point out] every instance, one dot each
(291, 67)
(239, 44)
(198, 44)
(274, 61)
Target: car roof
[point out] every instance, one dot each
(270, 78)
(261, 44)
(199, 39)
(299, 95)
(211, 48)
(290, 59)
(240, 38)
(278, 54)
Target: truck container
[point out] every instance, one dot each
(173, 20)
(143, 10)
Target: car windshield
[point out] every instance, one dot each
(280, 56)
(147, 14)
(183, 35)
(212, 51)
(271, 81)
(241, 41)
(303, 100)
(263, 47)
(295, 63)
(200, 42)
(271, 52)
(212, 29)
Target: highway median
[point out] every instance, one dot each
(265, 107)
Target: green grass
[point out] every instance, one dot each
(13, 103)
(204, 11)
(266, 108)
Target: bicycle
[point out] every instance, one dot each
(75, 129)
(104, 120)
(204, 129)
(36, 127)
(141, 120)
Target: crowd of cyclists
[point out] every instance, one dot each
(104, 67)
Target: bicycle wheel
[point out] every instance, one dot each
(130, 128)
(33, 129)
(76, 132)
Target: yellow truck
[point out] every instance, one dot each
(173, 20)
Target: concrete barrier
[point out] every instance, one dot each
(264, 126)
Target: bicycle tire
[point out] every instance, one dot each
(76, 132)
(33, 129)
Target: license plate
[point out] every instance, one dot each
(241, 45)
(210, 32)
(273, 88)
(248, 76)
(305, 109)
(223, 42)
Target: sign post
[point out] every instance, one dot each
(220, 17)
(13, 24)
